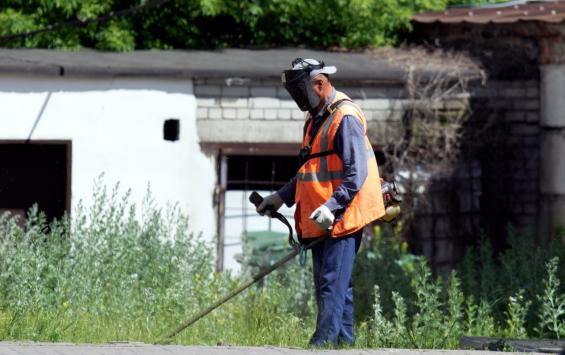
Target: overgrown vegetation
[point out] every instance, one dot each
(116, 273)
(517, 294)
(105, 276)
(211, 23)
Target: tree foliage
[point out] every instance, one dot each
(211, 23)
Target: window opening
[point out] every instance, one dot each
(246, 173)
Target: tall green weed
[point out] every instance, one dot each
(116, 272)
(552, 304)
(517, 294)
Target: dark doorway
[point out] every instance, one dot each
(35, 172)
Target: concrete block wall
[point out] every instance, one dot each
(512, 155)
(496, 182)
(448, 217)
(244, 113)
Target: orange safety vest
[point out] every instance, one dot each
(318, 178)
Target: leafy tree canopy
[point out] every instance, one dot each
(211, 23)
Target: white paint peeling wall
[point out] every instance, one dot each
(116, 128)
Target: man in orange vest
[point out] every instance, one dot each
(336, 192)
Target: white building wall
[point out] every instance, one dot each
(116, 128)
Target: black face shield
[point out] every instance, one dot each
(297, 83)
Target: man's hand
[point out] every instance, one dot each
(270, 203)
(323, 217)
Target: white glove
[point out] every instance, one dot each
(323, 217)
(270, 203)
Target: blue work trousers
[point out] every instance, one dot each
(332, 267)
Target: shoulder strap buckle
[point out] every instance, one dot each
(333, 107)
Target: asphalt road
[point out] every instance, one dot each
(25, 348)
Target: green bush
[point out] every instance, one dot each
(213, 23)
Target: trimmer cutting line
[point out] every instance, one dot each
(256, 199)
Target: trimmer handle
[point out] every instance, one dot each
(255, 199)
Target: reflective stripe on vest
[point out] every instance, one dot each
(324, 174)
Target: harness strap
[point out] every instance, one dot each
(305, 155)
(319, 154)
(331, 109)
